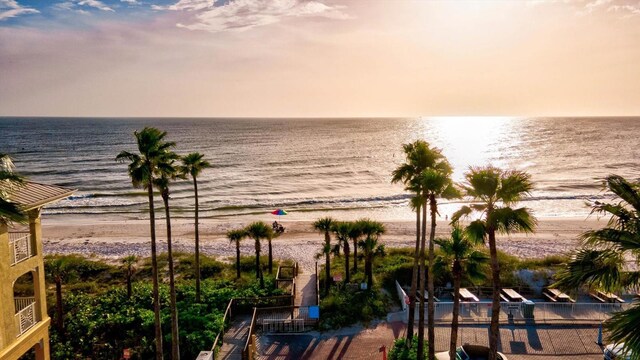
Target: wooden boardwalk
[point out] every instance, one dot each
(235, 338)
(306, 290)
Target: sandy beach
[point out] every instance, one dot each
(114, 239)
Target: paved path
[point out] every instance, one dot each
(306, 290)
(235, 338)
(517, 342)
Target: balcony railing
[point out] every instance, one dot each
(20, 243)
(25, 314)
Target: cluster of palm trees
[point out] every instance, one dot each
(155, 167)
(363, 234)
(257, 231)
(426, 173)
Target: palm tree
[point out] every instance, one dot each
(342, 230)
(9, 211)
(355, 232)
(166, 173)
(192, 165)
(59, 271)
(258, 231)
(129, 263)
(416, 160)
(142, 170)
(458, 254)
(235, 236)
(434, 182)
(605, 259)
(371, 230)
(323, 225)
(494, 191)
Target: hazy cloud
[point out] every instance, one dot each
(239, 15)
(81, 5)
(586, 7)
(11, 8)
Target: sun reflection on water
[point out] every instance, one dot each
(473, 141)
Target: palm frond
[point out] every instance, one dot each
(625, 190)
(508, 220)
(476, 231)
(594, 268)
(622, 327)
(462, 213)
(11, 212)
(621, 239)
(514, 185)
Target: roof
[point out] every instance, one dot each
(33, 195)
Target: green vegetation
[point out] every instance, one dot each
(100, 319)
(404, 350)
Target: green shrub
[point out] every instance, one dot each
(399, 350)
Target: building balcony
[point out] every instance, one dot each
(21, 247)
(25, 313)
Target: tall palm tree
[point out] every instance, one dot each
(9, 180)
(494, 191)
(607, 257)
(323, 225)
(434, 182)
(416, 160)
(371, 231)
(341, 229)
(129, 263)
(459, 255)
(355, 232)
(235, 236)
(258, 231)
(168, 172)
(192, 165)
(143, 168)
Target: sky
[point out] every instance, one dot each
(319, 58)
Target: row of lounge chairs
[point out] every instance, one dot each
(552, 295)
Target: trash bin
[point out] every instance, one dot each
(527, 309)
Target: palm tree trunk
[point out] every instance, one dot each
(59, 308)
(433, 205)
(457, 275)
(347, 251)
(355, 256)
(175, 336)
(327, 262)
(238, 259)
(257, 259)
(270, 258)
(495, 304)
(129, 283)
(197, 223)
(414, 282)
(368, 270)
(154, 275)
(422, 279)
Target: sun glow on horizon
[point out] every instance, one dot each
(471, 140)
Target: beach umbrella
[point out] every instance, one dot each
(279, 212)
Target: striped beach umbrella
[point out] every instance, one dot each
(279, 212)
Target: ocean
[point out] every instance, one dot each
(313, 167)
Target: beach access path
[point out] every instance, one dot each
(306, 294)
